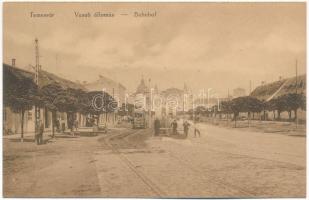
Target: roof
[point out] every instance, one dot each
(142, 88)
(281, 87)
(172, 91)
(45, 77)
(103, 81)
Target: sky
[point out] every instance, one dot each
(205, 45)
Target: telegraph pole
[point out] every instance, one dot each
(149, 108)
(113, 109)
(193, 116)
(296, 76)
(296, 118)
(228, 99)
(36, 78)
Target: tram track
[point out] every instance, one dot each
(204, 174)
(214, 179)
(146, 180)
(155, 189)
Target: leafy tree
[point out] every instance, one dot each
(96, 103)
(49, 94)
(253, 105)
(271, 105)
(236, 107)
(20, 94)
(246, 104)
(291, 102)
(303, 104)
(226, 108)
(200, 110)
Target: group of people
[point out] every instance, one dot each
(39, 128)
(174, 126)
(90, 121)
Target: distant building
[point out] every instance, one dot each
(113, 88)
(142, 87)
(164, 103)
(238, 92)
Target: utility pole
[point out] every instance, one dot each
(296, 118)
(149, 109)
(296, 76)
(36, 78)
(228, 99)
(193, 116)
(183, 100)
(250, 87)
(113, 108)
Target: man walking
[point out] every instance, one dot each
(174, 126)
(75, 126)
(39, 133)
(186, 128)
(157, 126)
(196, 131)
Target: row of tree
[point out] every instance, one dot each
(247, 104)
(21, 94)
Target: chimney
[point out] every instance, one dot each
(13, 62)
(263, 82)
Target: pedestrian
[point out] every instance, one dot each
(196, 131)
(157, 126)
(71, 123)
(92, 122)
(62, 127)
(39, 133)
(76, 124)
(186, 128)
(174, 126)
(58, 125)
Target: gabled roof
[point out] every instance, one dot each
(45, 77)
(172, 91)
(281, 87)
(103, 81)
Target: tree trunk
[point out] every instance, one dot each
(274, 114)
(295, 114)
(54, 123)
(22, 125)
(279, 112)
(290, 115)
(249, 119)
(68, 120)
(235, 120)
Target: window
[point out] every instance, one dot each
(29, 114)
(62, 116)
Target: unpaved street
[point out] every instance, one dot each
(132, 163)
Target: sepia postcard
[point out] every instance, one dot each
(154, 99)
